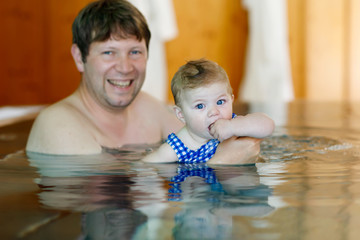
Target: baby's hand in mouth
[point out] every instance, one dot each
(210, 126)
(220, 129)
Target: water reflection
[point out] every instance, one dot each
(306, 187)
(214, 197)
(121, 198)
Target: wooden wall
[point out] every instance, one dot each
(36, 66)
(22, 52)
(325, 52)
(213, 29)
(324, 38)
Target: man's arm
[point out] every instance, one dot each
(233, 151)
(236, 151)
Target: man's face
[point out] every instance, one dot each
(114, 71)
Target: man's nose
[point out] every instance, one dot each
(124, 65)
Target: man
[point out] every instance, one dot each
(110, 50)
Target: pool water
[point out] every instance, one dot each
(306, 185)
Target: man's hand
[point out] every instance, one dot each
(236, 151)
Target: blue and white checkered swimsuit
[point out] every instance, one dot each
(186, 155)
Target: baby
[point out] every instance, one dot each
(203, 102)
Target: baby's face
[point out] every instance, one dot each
(202, 106)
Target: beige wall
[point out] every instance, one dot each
(325, 53)
(354, 50)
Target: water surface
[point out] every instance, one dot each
(305, 187)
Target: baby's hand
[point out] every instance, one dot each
(221, 129)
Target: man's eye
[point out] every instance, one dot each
(135, 52)
(199, 106)
(220, 102)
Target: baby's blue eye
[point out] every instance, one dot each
(220, 102)
(108, 52)
(200, 106)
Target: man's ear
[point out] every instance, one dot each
(179, 113)
(76, 54)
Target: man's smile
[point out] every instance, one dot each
(120, 83)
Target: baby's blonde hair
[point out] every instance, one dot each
(197, 73)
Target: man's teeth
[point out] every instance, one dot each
(120, 83)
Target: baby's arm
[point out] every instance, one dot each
(257, 125)
(165, 154)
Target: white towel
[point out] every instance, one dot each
(268, 71)
(160, 15)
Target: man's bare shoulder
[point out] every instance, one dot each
(159, 111)
(147, 102)
(61, 129)
(58, 116)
